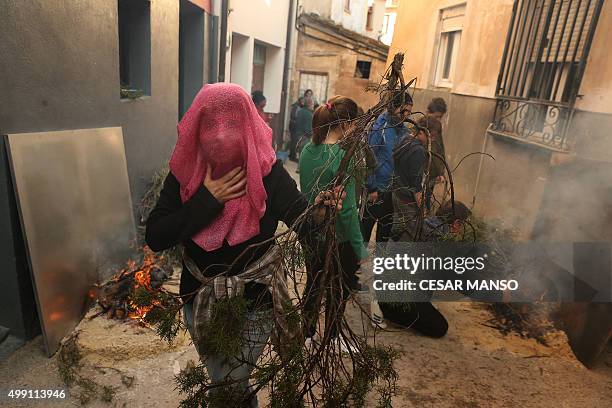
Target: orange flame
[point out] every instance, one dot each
(142, 278)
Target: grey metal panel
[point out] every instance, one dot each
(76, 212)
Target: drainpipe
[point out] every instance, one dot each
(285, 86)
(223, 39)
(480, 163)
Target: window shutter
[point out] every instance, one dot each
(452, 18)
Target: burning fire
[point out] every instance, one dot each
(142, 278)
(116, 296)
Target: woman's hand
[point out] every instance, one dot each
(227, 187)
(329, 198)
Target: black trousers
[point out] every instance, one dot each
(429, 195)
(381, 212)
(348, 265)
(421, 316)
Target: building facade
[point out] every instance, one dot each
(388, 23)
(528, 83)
(375, 16)
(136, 64)
(255, 56)
(333, 53)
(257, 35)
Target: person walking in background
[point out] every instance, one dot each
(433, 122)
(260, 103)
(303, 128)
(308, 94)
(293, 135)
(386, 134)
(319, 165)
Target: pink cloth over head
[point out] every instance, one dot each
(223, 129)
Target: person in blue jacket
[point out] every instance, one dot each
(386, 133)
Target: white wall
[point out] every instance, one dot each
(355, 20)
(264, 21)
(241, 57)
(320, 7)
(273, 76)
(379, 9)
(387, 37)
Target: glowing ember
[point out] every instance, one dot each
(142, 278)
(139, 313)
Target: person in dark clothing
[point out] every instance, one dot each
(303, 127)
(174, 222)
(294, 137)
(423, 316)
(223, 199)
(433, 122)
(410, 160)
(260, 102)
(386, 134)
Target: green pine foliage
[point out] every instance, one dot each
(70, 367)
(224, 329)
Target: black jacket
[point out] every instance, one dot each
(409, 158)
(172, 222)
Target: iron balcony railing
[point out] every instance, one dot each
(544, 58)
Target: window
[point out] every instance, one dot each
(545, 49)
(259, 67)
(449, 40)
(315, 82)
(388, 27)
(362, 69)
(392, 3)
(134, 20)
(542, 66)
(347, 6)
(448, 49)
(369, 18)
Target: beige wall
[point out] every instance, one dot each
(596, 84)
(339, 64)
(513, 186)
(485, 28)
(482, 44)
(511, 183)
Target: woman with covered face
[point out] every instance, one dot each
(223, 199)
